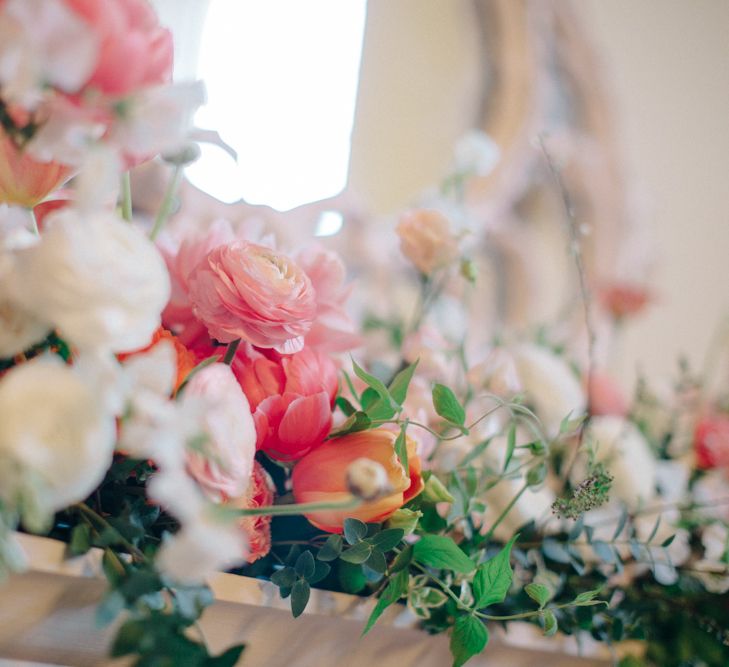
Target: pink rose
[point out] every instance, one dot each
(181, 260)
(426, 239)
(291, 398)
(257, 529)
(332, 330)
(243, 290)
(711, 442)
(623, 300)
(224, 463)
(134, 50)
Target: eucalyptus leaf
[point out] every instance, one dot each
(299, 597)
(358, 554)
(305, 565)
(354, 530)
(388, 539)
(331, 548)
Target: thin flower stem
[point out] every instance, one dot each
(126, 196)
(34, 222)
(297, 508)
(165, 209)
(586, 297)
(503, 514)
(230, 352)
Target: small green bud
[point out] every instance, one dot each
(537, 475)
(469, 270)
(436, 492)
(405, 519)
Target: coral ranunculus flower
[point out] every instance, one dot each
(291, 398)
(257, 529)
(711, 442)
(23, 180)
(321, 476)
(244, 290)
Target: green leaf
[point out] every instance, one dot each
(398, 389)
(80, 539)
(395, 589)
(550, 622)
(468, 638)
(354, 530)
(603, 551)
(321, 570)
(402, 560)
(127, 639)
(388, 538)
(351, 577)
(284, 578)
(447, 405)
(587, 599)
(377, 562)
(493, 578)
(401, 448)
(443, 553)
(510, 445)
(358, 554)
(228, 658)
(359, 421)
(668, 541)
(377, 385)
(555, 551)
(331, 548)
(299, 597)
(654, 531)
(368, 399)
(436, 492)
(621, 524)
(400, 383)
(305, 565)
(345, 406)
(539, 593)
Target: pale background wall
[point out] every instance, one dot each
(667, 62)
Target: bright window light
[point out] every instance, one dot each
(282, 79)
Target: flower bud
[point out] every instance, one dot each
(405, 519)
(436, 492)
(367, 479)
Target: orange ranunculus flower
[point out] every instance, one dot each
(321, 476)
(23, 180)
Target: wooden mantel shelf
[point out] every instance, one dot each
(47, 618)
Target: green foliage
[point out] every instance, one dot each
(441, 552)
(449, 407)
(493, 578)
(468, 638)
(395, 589)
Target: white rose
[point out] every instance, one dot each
(550, 385)
(56, 443)
(627, 456)
(96, 278)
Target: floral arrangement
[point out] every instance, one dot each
(181, 396)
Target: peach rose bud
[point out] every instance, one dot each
(426, 239)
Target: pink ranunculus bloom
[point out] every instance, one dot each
(223, 463)
(711, 441)
(291, 398)
(181, 260)
(333, 329)
(134, 50)
(257, 529)
(606, 397)
(244, 290)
